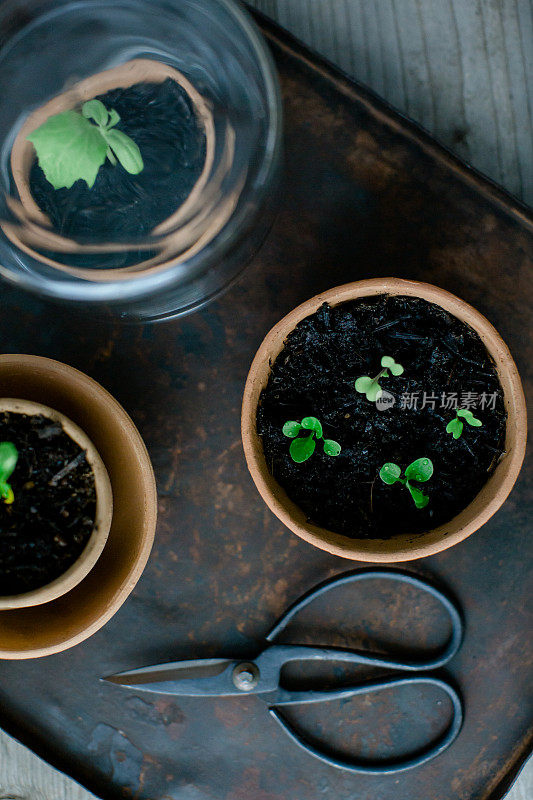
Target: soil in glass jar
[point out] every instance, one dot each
(446, 365)
(47, 526)
(161, 120)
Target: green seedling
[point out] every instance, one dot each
(8, 461)
(420, 471)
(370, 386)
(455, 425)
(70, 148)
(303, 447)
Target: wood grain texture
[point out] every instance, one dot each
(461, 68)
(24, 776)
(464, 70)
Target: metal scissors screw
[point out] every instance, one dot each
(218, 677)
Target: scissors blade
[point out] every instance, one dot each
(201, 677)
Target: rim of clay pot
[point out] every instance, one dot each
(138, 70)
(103, 513)
(404, 547)
(56, 625)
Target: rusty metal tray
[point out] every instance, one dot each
(366, 193)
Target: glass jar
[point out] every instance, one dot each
(49, 47)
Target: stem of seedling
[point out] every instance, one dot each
(380, 374)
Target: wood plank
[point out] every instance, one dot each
(461, 68)
(24, 776)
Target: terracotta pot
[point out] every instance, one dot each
(69, 619)
(103, 515)
(23, 155)
(404, 547)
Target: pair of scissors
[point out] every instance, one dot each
(222, 677)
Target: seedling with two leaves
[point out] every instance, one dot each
(8, 461)
(70, 148)
(420, 471)
(455, 425)
(370, 386)
(303, 447)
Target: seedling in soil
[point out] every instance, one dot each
(420, 471)
(70, 148)
(8, 461)
(455, 425)
(370, 386)
(303, 447)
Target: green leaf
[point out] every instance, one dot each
(374, 393)
(303, 448)
(390, 473)
(469, 418)
(370, 387)
(390, 363)
(114, 118)
(291, 429)
(420, 470)
(69, 148)
(331, 448)
(8, 460)
(421, 500)
(455, 427)
(125, 150)
(94, 109)
(363, 384)
(312, 424)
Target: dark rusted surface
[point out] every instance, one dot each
(365, 194)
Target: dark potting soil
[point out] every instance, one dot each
(51, 519)
(314, 375)
(161, 119)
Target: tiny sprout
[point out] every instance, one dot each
(8, 461)
(70, 147)
(420, 471)
(370, 386)
(303, 447)
(455, 425)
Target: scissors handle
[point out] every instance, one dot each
(371, 659)
(286, 698)
(279, 654)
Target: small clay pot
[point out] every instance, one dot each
(404, 547)
(139, 70)
(53, 626)
(103, 514)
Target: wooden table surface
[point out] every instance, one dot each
(461, 68)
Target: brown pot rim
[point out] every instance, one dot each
(93, 392)
(103, 513)
(22, 156)
(405, 547)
